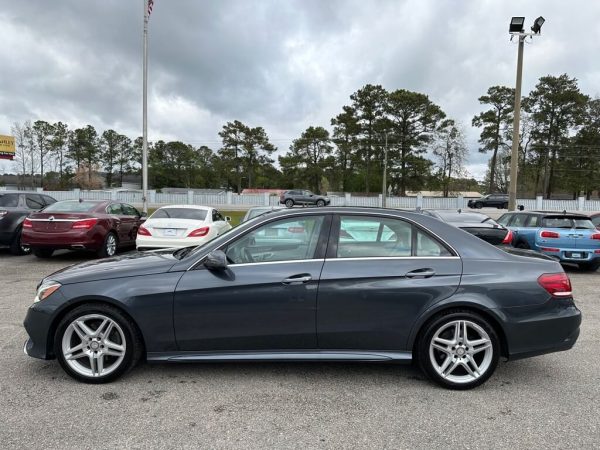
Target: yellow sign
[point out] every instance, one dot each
(7, 147)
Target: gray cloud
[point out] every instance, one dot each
(280, 65)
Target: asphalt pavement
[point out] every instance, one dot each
(551, 401)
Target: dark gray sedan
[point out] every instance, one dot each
(342, 284)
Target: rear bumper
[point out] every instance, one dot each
(537, 330)
(566, 254)
(72, 239)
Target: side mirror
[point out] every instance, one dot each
(227, 218)
(216, 260)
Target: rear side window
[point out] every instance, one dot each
(373, 237)
(505, 219)
(34, 201)
(10, 200)
(533, 222)
(519, 220)
(179, 213)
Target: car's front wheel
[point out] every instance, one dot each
(458, 350)
(289, 203)
(96, 343)
(320, 203)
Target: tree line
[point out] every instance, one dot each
(422, 148)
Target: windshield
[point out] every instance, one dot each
(568, 222)
(179, 213)
(9, 199)
(71, 206)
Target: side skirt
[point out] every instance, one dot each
(300, 355)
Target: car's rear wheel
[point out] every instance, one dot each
(96, 343)
(18, 249)
(458, 350)
(42, 252)
(590, 266)
(504, 206)
(289, 203)
(320, 203)
(109, 247)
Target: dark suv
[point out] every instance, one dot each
(499, 201)
(302, 197)
(14, 207)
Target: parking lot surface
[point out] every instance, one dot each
(551, 401)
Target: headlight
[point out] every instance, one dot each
(45, 290)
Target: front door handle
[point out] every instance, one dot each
(297, 279)
(421, 273)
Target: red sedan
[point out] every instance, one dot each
(99, 226)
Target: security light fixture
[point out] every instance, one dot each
(537, 25)
(516, 25)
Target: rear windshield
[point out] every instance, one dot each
(9, 199)
(179, 213)
(71, 206)
(567, 222)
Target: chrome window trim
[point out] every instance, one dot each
(285, 261)
(388, 258)
(341, 212)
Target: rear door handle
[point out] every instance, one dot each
(297, 279)
(420, 273)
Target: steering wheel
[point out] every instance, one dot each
(247, 255)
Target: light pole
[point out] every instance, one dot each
(516, 29)
(384, 186)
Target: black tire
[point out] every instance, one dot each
(522, 244)
(590, 266)
(16, 248)
(134, 347)
(107, 249)
(289, 203)
(43, 252)
(437, 323)
(478, 205)
(320, 203)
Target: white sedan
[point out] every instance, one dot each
(178, 226)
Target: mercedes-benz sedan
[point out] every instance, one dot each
(370, 285)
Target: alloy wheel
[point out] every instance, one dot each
(93, 345)
(461, 351)
(111, 245)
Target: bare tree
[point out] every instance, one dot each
(450, 152)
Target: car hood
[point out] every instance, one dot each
(127, 265)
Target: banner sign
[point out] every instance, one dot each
(7, 147)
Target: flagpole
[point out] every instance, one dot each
(145, 115)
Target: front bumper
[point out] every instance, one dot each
(37, 324)
(537, 330)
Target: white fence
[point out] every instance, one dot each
(231, 199)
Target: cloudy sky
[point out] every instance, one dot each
(280, 64)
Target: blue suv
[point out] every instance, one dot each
(567, 237)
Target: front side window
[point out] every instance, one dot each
(34, 202)
(283, 240)
(115, 209)
(519, 220)
(505, 219)
(372, 237)
(11, 200)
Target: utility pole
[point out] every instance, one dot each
(516, 29)
(514, 154)
(384, 186)
(145, 115)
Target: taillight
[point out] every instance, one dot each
(594, 236)
(557, 284)
(84, 224)
(295, 229)
(143, 231)
(199, 232)
(27, 223)
(549, 234)
(508, 238)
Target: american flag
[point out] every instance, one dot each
(150, 5)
